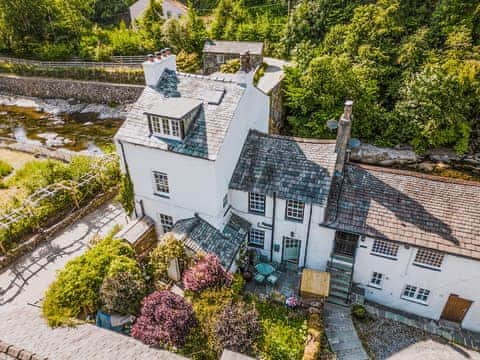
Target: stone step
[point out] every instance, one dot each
(339, 280)
(340, 274)
(344, 259)
(338, 301)
(339, 294)
(340, 266)
(339, 288)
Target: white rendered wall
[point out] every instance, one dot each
(154, 70)
(191, 183)
(320, 240)
(460, 276)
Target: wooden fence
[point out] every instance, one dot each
(117, 62)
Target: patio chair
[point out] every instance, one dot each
(272, 278)
(259, 278)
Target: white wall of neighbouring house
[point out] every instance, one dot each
(457, 275)
(191, 183)
(320, 240)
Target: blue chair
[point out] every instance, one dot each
(259, 278)
(272, 279)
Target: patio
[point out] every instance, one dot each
(288, 284)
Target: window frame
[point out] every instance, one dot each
(386, 244)
(426, 253)
(166, 221)
(288, 207)
(220, 58)
(166, 184)
(162, 126)
(416, 294)
(251, 203)
(256, 244)
(376, 281)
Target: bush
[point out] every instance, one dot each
(5, 169)
(237, 328)
(122, 293)
(161, 257)
(231, 66)
(359, 312)
(207, 272)
(75, 292)
(126, 195)
(165, 319)
(189, 63)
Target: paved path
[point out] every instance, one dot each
(273, 74)
(435, 350)
(25, 281)
(341, 333)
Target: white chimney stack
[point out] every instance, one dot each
(343, 136)
(153, 70)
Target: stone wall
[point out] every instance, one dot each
(210, 64)
(277, 110)
(84, 91)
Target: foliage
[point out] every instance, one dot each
(122, 293)
(160, 258)
(5, 169)
(188, 63)
(231, 66)
(207, 272)
(259, 73)
(359, 312)
(166, 319)
(237, 328)
(75, 292)
(126, 195)
(284, 332)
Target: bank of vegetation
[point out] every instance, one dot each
(413, 68)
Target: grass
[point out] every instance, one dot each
(5, 169)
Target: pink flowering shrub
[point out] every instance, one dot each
(207, 272)
(166, 319)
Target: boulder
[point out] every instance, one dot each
(443, 155)
(370, 154)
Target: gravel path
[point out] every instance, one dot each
(388, 339)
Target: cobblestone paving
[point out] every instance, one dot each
(341, 333)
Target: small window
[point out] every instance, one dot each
(166, 126)
(167, 223)
(220, 59)
(225, 201)
(415, 293)
(294, 210)
(376, 280)
(430, 258)
(387, 248)
(156, 127)
(256, 238)
(175, 128)
(160, 182)
(256, 203)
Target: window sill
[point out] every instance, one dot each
(256, 246)
(384, 256)
(164, 196)
(414, 301)
(423, 266)
(377, 287)
(256, 212)
(294, 220)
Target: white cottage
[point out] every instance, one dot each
(203, 165)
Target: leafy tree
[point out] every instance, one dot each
(160, 258)
(189, 63)
(207, 272)
(237, 328)
(122, 293)
(165, 319)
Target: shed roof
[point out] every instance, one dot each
(418, 209)
(233, 47)
(293, 168)
(206, 135)
(200, 236)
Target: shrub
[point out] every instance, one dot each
(207, 272)
(359, 312)
(5, 169)
(189, 63)
(126, 196)
(165, 319)
(161, 257)
(75, 292)
(231, 66)
(122, 293)
(237, 328)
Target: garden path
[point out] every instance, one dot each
(341, 333)
(25, 281)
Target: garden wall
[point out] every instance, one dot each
(84, 91)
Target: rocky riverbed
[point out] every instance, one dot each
(59, 123)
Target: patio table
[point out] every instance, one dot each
(264, 269)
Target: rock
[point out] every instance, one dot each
(441, 166)
(442, 155)
(370, 154)
(426, 166)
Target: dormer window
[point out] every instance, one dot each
(172, 117)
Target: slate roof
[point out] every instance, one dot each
(421, 210)
(205, 136)
(175, 107)
(233, 47)
(297, 169)
(200, 236)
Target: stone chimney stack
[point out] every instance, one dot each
(343, 136)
